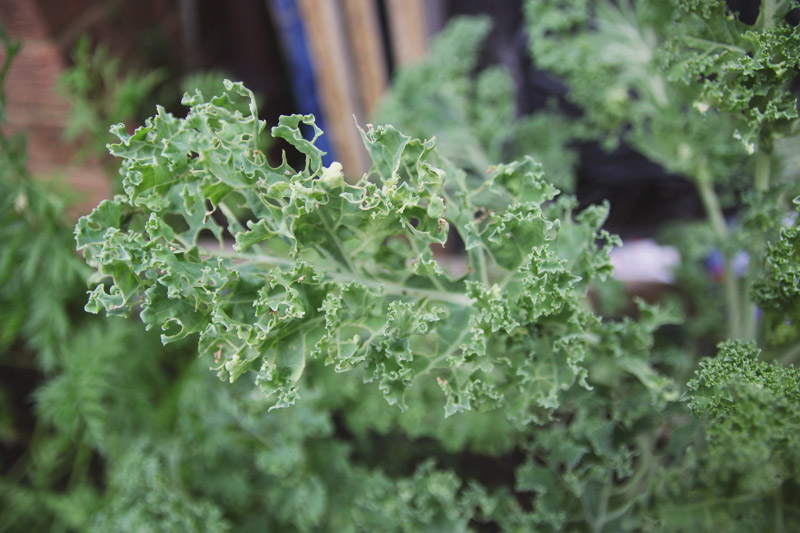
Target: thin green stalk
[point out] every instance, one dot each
(761, 183)
(479, 262)
(763, 169)
(732, 301)
(766, 14)
(624, 508)
(339, 246)
(710, 201)
(80, 464)
(418, 252)
(633, 485)
(789, 355)
(388, 287)
(599, 521)
(705, 43)
(456, 344)
(233, 222)
(713, 210)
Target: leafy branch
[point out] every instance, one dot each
(346, 272)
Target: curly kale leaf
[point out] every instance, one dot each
(742, 474)
(778, 290)
(740, 465)
(611, 55)
(753, 425)
(345, 272)
(745, 70)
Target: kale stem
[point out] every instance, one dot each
(761, 182)
(339, 246)
(433, 278)
(766, 14)
(788, 356)
(710, 201)
(233, 223)
(633, 485)
(388, 287)
(455, 345)
(622, 509)
(705, 43)
(602, 507)
(478, 262)
(732, 301)
(763, 169)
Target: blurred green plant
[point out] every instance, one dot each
(700, 93)
(100, 92)
(707, 96)
(473, 114)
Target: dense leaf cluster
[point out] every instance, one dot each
(124, 435)
(102, 429)
(345, 276)
(743, 474)
(741, 69)
(753, 420)
(778, 291)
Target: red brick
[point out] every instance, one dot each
(22, 20)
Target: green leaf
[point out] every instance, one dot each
(345, 272)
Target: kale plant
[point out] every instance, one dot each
(376, 383)
(344, 276)
(710, 97)
(347, 273)
(331, 283)
(699, 92)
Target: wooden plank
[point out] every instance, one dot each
(408, 30)
(367, 46)
(324, 30)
